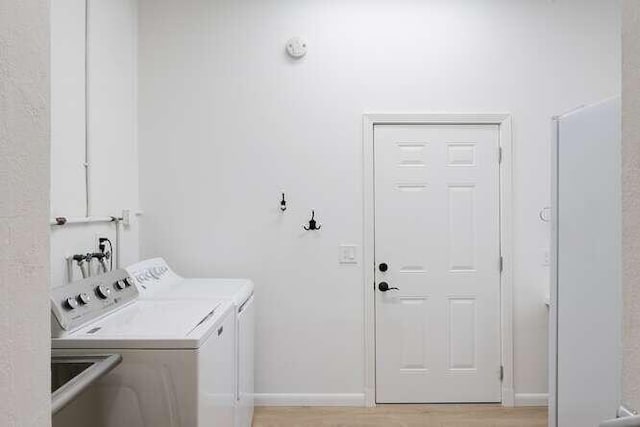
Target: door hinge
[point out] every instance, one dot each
(501, 263)
(501, 374)
(499, 154)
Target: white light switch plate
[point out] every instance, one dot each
(348, 254)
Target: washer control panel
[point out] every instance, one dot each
(77, 303)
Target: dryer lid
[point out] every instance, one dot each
(238, 290)
(156, 280)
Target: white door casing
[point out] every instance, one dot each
(437, 227)
(503, 121)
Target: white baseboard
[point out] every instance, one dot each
(532, 399)
(291, 399)
(358, 399)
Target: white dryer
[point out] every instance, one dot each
(157, 281)
(176, 355)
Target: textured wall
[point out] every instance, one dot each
(24, 233)
(631, 201)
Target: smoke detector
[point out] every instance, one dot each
(296, 47)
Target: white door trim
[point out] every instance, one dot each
(506, 236)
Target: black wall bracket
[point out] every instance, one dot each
(283, 204)
(313, 225)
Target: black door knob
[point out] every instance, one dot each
(383, 267)
(384, 287)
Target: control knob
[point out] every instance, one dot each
(83, 298)
(120, 285)
(70, 303)
(103, 292)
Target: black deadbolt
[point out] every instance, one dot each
(383, 267)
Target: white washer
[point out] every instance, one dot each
(176, 355)
(157, 281)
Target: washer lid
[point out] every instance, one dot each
(151, 324)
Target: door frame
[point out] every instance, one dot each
(503, 121)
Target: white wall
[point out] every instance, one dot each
(631, 202)
(113, 161)
(227, 121)
(24, 207)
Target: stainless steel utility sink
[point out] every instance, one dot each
(71, 375)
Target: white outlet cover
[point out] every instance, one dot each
(297, 47)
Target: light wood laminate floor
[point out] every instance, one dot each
(402, 416)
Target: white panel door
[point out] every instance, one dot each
(437, 230)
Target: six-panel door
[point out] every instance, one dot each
(437, 227)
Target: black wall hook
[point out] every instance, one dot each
(283, 204)
(313, 225)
